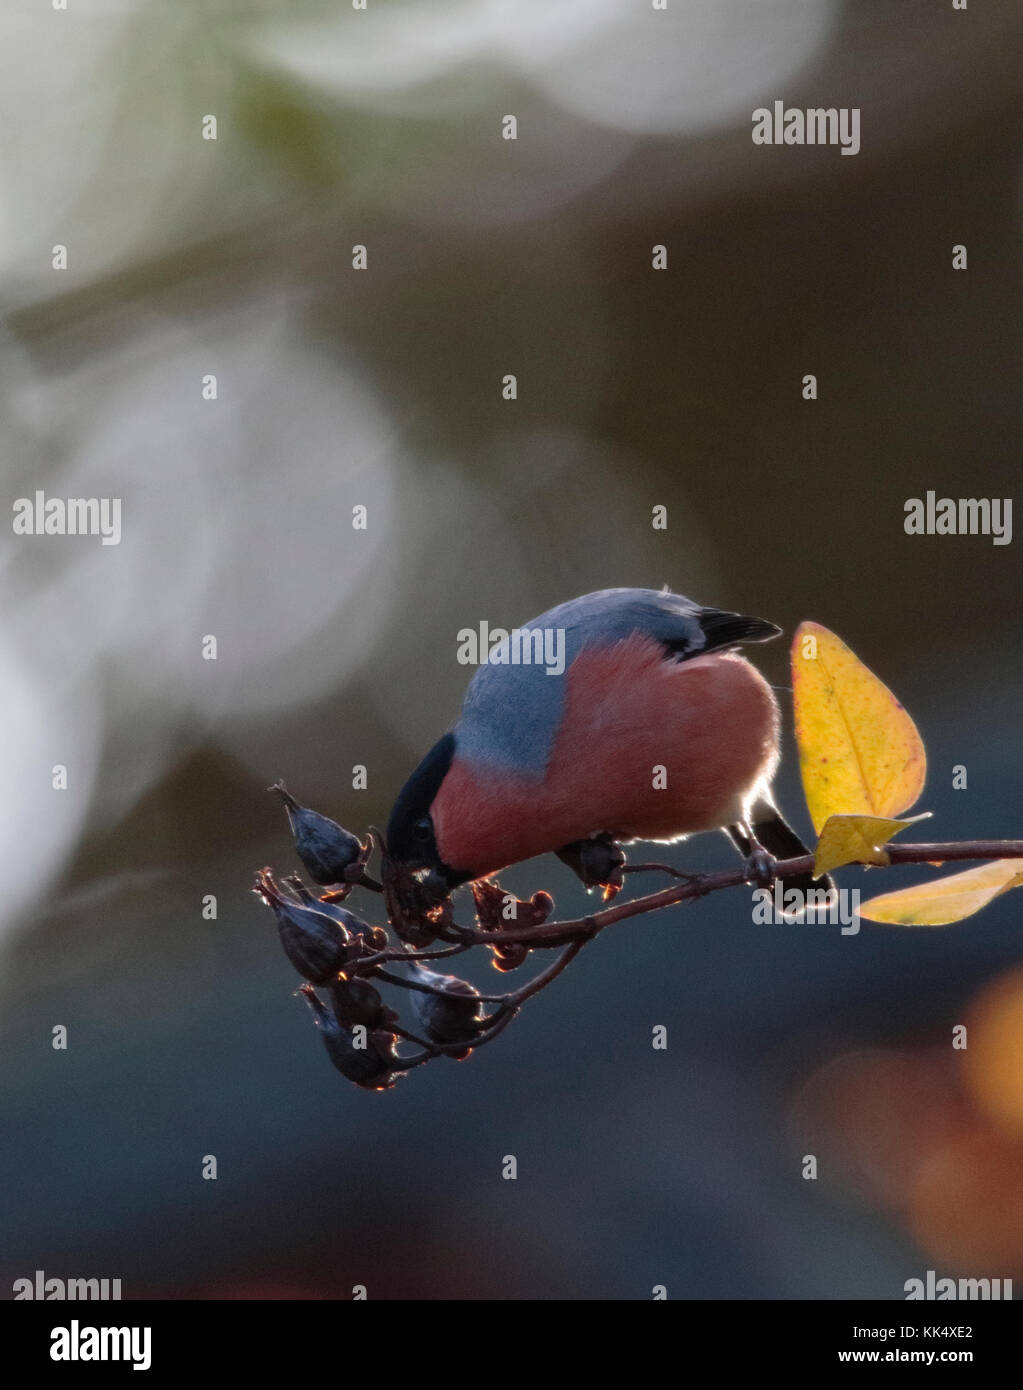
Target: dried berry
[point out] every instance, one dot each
(498, 911)
(536, 911)
(412, 914)
(451, 1017)
(317, 945)
(357, 1001)
(324, 847)
(489, 898)
(375, 938)
(509, 957)
(598, 862)
(371, 1065)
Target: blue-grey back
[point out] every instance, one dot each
(511, 712)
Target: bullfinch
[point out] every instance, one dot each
(651, 726)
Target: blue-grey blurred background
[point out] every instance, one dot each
(189, 257)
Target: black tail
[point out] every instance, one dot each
(781, 841)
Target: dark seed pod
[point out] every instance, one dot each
(434, 889)
(408, 911)
(352, 924)
(451, 1017)
(317, 946)
(373, 938)
(324, 847)
(302, 891)
(598, 862)
(357, 1001)
(370, 1066)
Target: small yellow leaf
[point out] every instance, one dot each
(859, 751)
(857, 839)
(946, 900)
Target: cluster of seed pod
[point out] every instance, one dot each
(494, 909)
(338, 952)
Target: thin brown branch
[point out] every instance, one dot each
(552, 972)
(380, 957)
(552, 934)
(965, 849)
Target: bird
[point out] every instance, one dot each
(656, 728)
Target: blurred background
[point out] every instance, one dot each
(336, 647)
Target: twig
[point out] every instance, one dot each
(573, 935)
(520, 996)
(700, 885)
(379, 957)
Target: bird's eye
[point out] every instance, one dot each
(423, 829)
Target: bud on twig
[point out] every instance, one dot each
(356, 1001)
(599, 862)
(492, 903)
(451, 1017)
(317, 945)
(371, 1066)
(324, 847)
(413, 912)
(374, 937)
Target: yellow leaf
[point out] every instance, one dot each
(857, 839)
(859, 751)
(945, 899)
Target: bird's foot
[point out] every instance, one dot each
(760, 868)
(661, 869)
